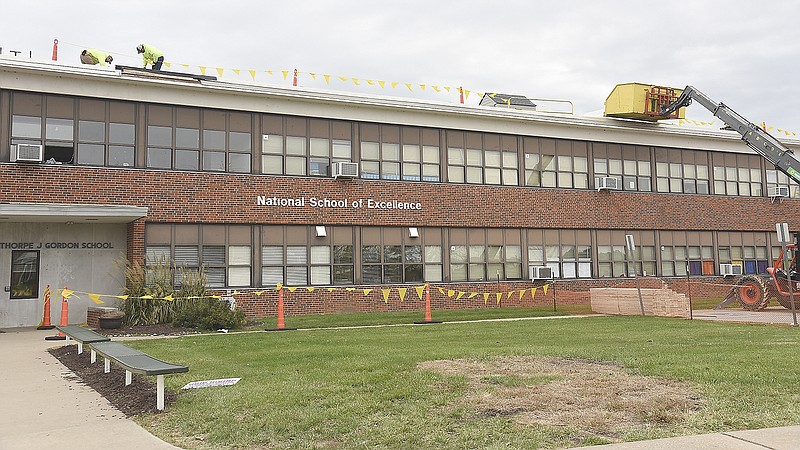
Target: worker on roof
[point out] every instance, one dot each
(151, 55)
(92, 56)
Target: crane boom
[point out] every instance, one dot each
(759, 140)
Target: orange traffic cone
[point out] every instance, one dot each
(64, 319)
(281, 324)
(45, 325)
(428, 318)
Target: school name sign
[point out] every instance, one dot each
(329, 203)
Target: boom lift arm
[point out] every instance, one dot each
(756, 138)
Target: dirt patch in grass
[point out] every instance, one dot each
(597, 398)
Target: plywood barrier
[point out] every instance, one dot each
(622, 301)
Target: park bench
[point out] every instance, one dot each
(135, 361)
(81, 335)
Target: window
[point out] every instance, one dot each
(479, 166)
(682, 171)
(324, 261)
(391, 264)
(556, 163)
(568, 253)
(24, 274)
(629, 164)
(776, 178)
(750, 250)
(737, 175)
(223, 252)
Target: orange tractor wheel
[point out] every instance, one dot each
(753, 293)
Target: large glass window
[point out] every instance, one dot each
(556, 163)
(24, 274)
(737, 175)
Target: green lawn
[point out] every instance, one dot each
(361, 388)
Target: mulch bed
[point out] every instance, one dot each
(138, 397)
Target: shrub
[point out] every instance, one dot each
(156, 280)
(208, 314)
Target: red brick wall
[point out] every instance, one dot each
(228, 198)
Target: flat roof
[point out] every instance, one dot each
(107, 83)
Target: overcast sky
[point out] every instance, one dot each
(742, 53)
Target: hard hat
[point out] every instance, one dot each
(140, 48)
(109, 59)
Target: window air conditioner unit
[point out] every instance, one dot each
(779, 191)
(27, 153)
(729, 270)
(345, 170)
(540, 273)
(608, 183)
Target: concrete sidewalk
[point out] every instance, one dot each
(45, 406)
(782, 438)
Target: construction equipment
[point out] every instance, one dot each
(753, 291)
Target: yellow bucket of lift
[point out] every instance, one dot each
(642, 102)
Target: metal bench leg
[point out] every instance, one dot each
(107, 365)
(93, 356)
(160, 393)
(128, 377)
(80, 347)
(66, 341)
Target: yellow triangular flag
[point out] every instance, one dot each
(466, 94)
(522, 293)
(278, 287)
(327, 79)
(394, 84)
(355, 81)
(202, 69)
(236, 71)
(408, 85)
(499, 296)
(544, 289)
(219, 71)
(95, 298)
(422, 87)
(292, 289)
(168, 64)
(216, 297)
(509, 295)
(310, 289)
(285, 74)
(472, 295)
(420, 290)
(370, 82)
(258, 293)
(367, 291)
(252, 74)
(123, 297)
(441, 291)
(436, 88)
(146, 297)
(342, 78)
(169, 298)
(386, 295)
(235, 292)
(451, 293)
(402, 292)
(331, 289)
(460, 294)
(382, 83)
(66, 293)
(350, 289)
(313, 75)
(447, 88)
(485, 298)
(533, 293)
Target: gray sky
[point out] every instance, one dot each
(742, 53)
